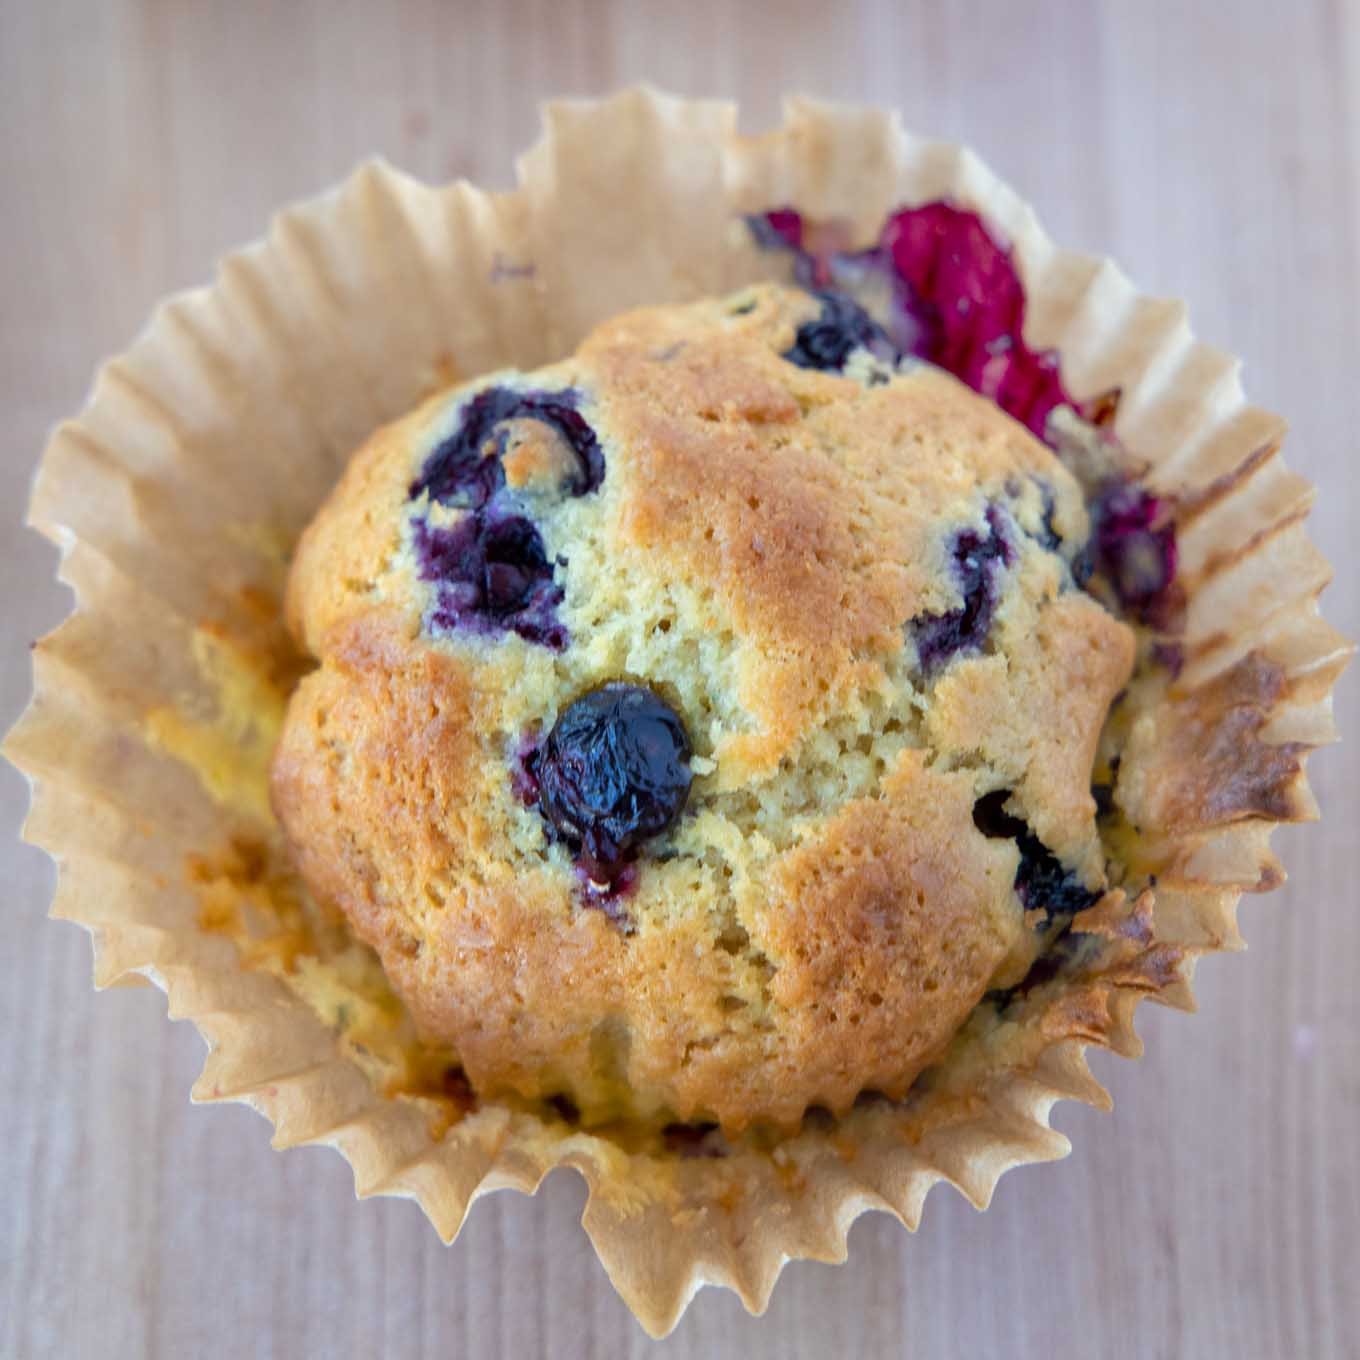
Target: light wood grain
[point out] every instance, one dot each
(1212, 148)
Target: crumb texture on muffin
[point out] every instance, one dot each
(855, 585)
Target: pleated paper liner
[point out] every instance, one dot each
(178, 492)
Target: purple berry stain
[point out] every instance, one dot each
(491, 571)
(976, 558)
(1133, 546)
(613, 774)
(1041, 881)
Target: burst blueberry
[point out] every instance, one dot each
(1042, 883)
(959, 301)
(465, 469)
(491, 574)
(612, 775)
(977, 557)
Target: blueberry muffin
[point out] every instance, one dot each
(704, 725)
(749, 762)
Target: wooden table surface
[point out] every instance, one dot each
(1211, 147)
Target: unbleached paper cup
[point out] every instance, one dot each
(177, 494)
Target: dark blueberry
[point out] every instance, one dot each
(465, 468)
(1041, 881)
(491, 569)
(975, 556)
(1133, 546)
(491, 575)
(613, 773)
(843, 327)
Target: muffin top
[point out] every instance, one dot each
(704, 724)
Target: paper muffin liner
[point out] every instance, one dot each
(177, 493)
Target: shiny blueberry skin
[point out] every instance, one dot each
(613, 774)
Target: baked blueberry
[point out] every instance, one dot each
(613, 773)
(491, 575)
(491, 569)
(843, 327)
(977, 557)
(1041, 881)
(465, 468)
(1133, 546)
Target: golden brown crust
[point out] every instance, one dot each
(826, 913)
(380, 736)
(341, 553)
(1036, 716)
(892, 887)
